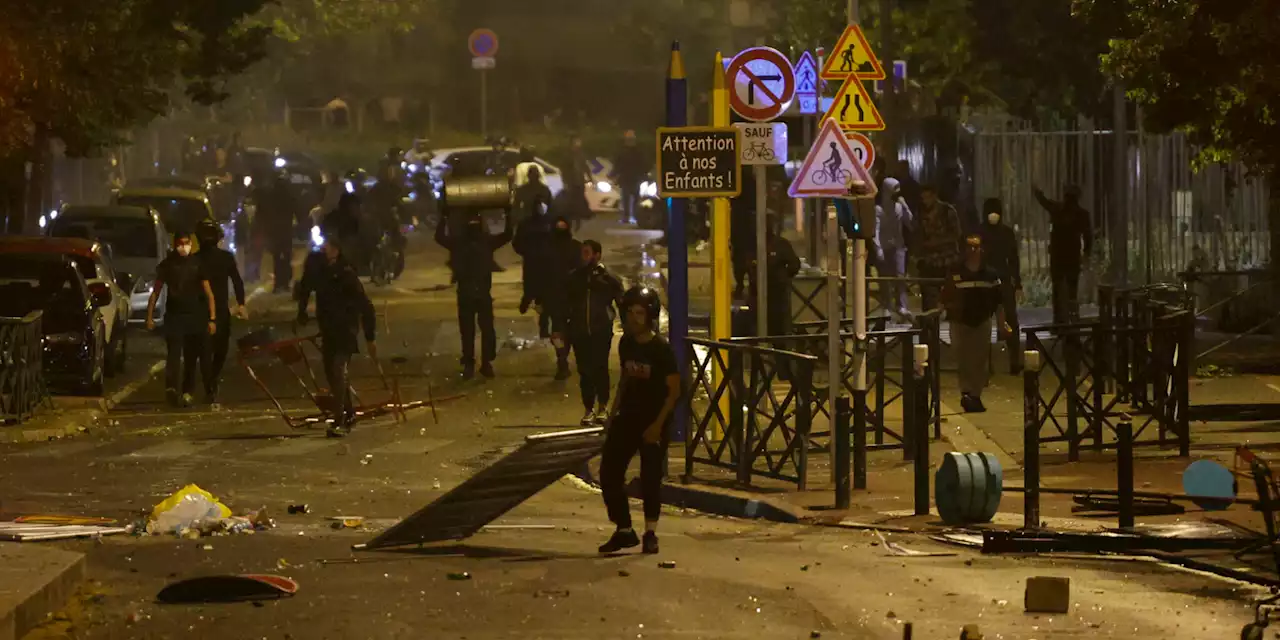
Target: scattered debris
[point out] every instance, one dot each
(815, 634)
(459, 575)
(667, 564)
(299, 509)
(227, 588)
(30, 532)
(896, 549)
(970, 632)
(346, 522)
(624, 573)
(90, 521)
(551, 593)
(804, 568)
(1047, 594)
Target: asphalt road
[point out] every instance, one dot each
(732, 579)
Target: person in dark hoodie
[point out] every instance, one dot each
(563, 259)
(592, 301)
(892, 230)
(1070, 241)
(471, 255)
(1000, 251)
(629, 169)
(532, 242)
(220, 270)
(342, 308)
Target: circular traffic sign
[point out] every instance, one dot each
(483, 43)
(763, 84)
(862, 148)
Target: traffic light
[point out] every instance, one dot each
(857, 217)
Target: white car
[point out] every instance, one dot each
(601, 194)
(138, 243)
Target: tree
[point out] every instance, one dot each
(1206, 68)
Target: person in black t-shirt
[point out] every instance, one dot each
(971, 297)
(219, 267)
(641, 418)
(189, 319)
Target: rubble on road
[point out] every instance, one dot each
(192, 512)
(36, 532)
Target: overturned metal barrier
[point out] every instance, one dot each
(751, 410)
(499, 488)
(22, 381)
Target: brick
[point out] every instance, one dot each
(1048, 595)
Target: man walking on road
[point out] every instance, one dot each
(938, 243)
(577, 209)
(972, 295)
(641, 419)
(563, 259)
(473, 265)
(1070, 241)
(630, 171)
(532, 242)
(892, 227)
(342, 308)
(593, 294)
(1000, 250)
(220, 270)
(189, 320)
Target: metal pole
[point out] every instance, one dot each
(920, 427)
(1124, 472)
(840, 433)
(1120, 190)
(835, 350)
(721, 272)
(762, 254)
(484, 103)
(1031, 439)
(812, 214)
(677, 242)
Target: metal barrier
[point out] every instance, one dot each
(22, 383)
(1133, 361)
(811, 294)
(769, 398)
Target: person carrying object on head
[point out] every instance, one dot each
(471, 257)
(970, 298)
(342, 308)
(1000, 250)
(189, 319)
(563, 259)
(220, 270)
(639, 421)
(593, 293)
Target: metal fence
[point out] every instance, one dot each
(22, 383)
(1215, 216)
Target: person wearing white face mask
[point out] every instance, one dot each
(1001, 251)
(189, 319)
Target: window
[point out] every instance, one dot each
(128, 237)
(178, 215)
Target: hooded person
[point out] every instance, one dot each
(1070, 241)
(1000, 250)
(893, 226)
(471, 257)
(563, 258)
(532, 242)
(189, 319)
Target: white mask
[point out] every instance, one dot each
(993, 218)
(184, 249)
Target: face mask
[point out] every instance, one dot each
(993, 218)
(184, 250)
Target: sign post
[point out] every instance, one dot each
(699, 162)
(677, 242)
(763, 144)
(483, 44)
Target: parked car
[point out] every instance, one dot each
(181, 210)
(93, 259)
(75, 334)
(138, 242)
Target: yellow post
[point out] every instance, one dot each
(721, 271)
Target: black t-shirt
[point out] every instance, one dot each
(645, 367)
(977, 292)
(185, 307)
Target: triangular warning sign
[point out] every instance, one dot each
(852, 56)
(831, 169)
(806, 70)
(853, 109)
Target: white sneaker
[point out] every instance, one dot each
(601, 417)
(588, 419)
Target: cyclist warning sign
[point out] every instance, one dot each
(763, 142)
(699, 162)
(832, 169)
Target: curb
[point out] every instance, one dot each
(73, 420)
(31, 608)
(966, 437)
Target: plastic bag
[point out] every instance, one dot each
(186, 509)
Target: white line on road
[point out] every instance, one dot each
(173, 449)
(1273, 387)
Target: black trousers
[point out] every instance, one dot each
(1065, 275)
(472, 311)
(184, 352)
(283, 264)
(591, 354)
(620, 447)
(217, 354)
(336, 361)
(930, 294)
(1013, 342)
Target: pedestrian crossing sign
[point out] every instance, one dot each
(853, 109)
(852, 57)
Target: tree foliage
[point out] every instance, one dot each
(1205, 67)
(84, 72)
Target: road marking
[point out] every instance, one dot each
(415, 447)
(173, 449)
(45, 450)
(294, 447)
(1273, 387)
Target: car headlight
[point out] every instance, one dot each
(317, 238)
(604, 187)
(350, 186)
(649, 189)
(248, 181)
(64, 338)
(280, 162)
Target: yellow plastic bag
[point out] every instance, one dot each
(186, 508)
